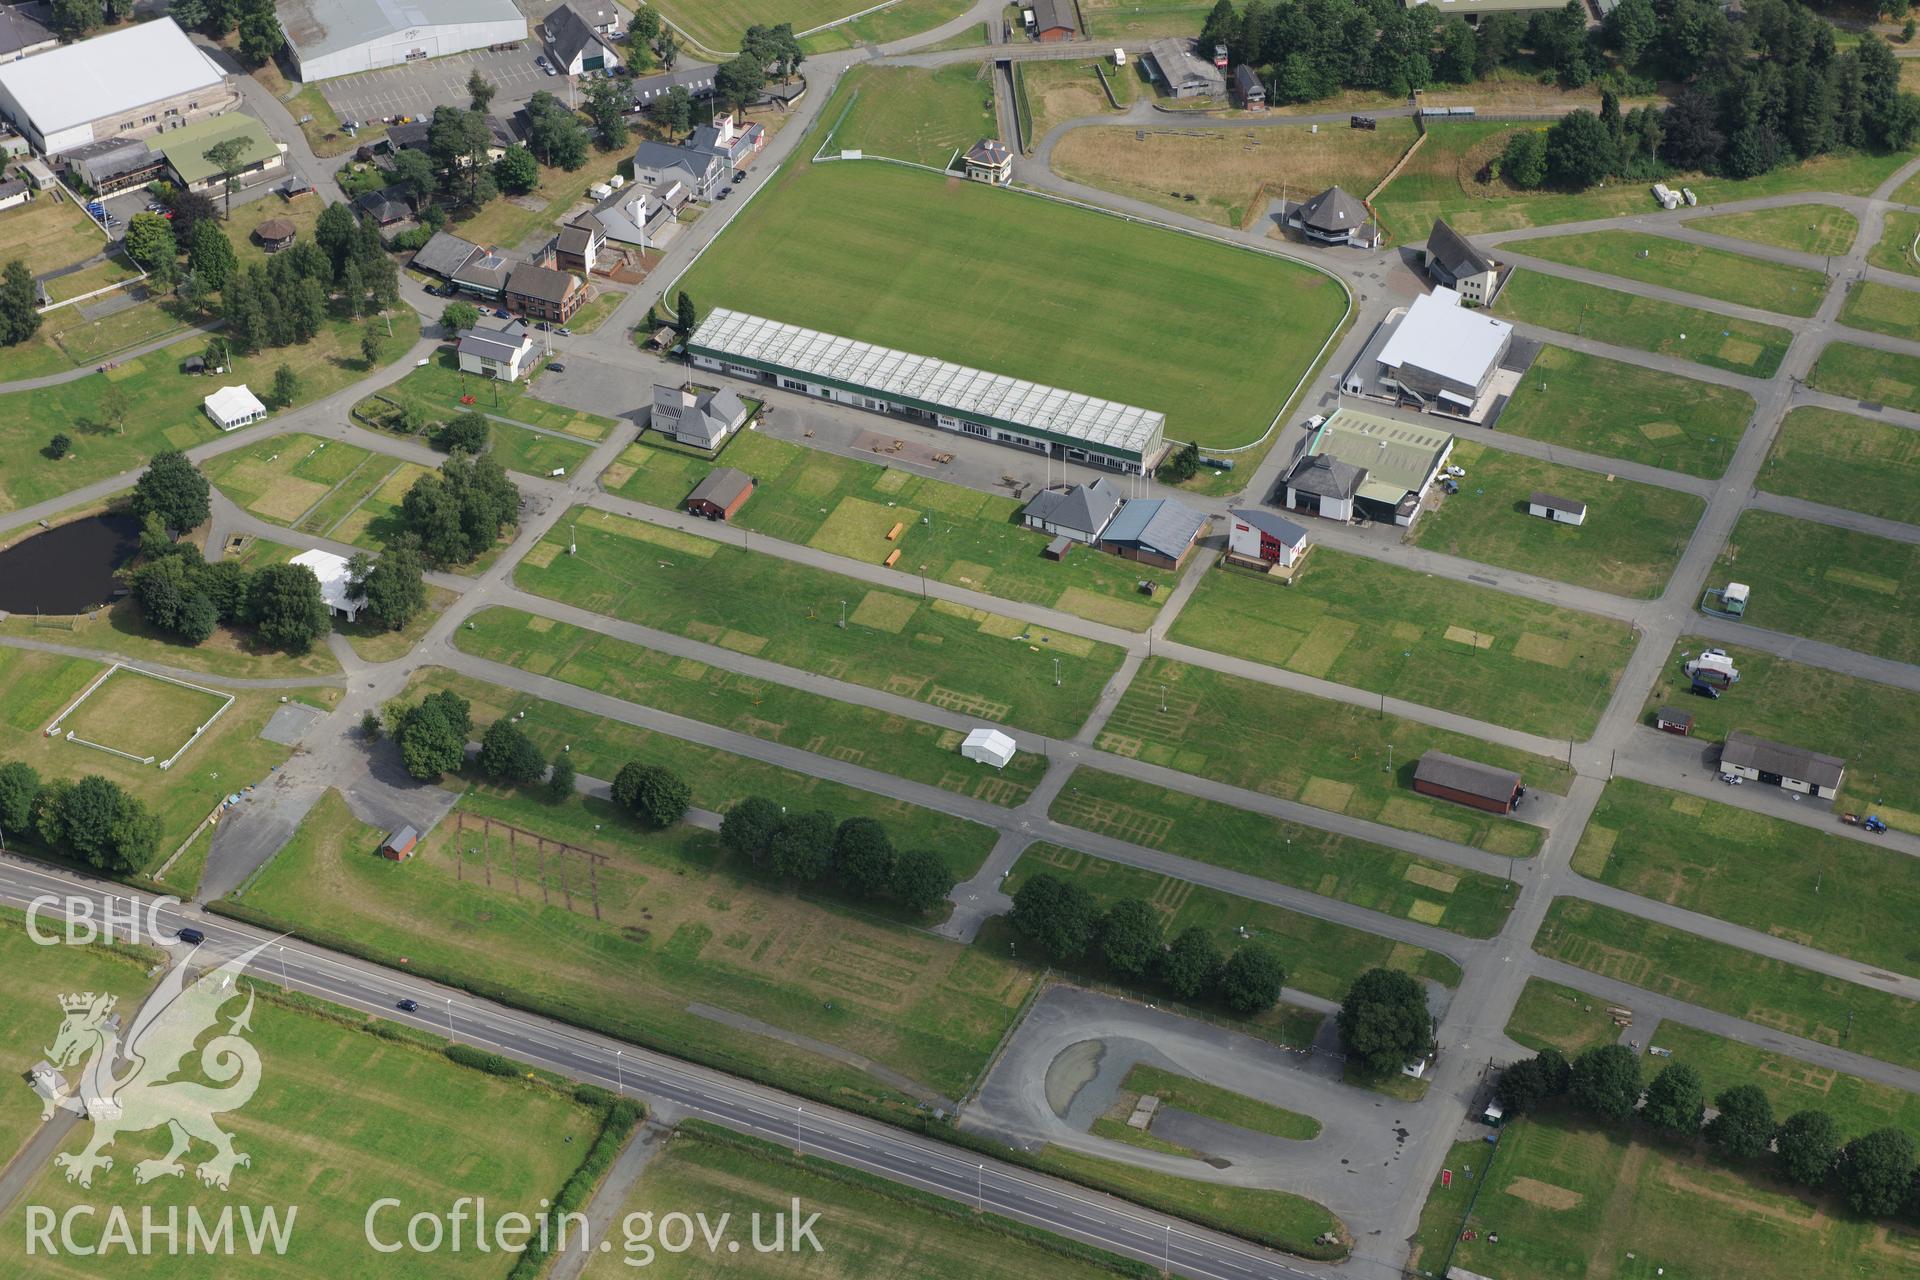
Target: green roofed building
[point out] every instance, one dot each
(1358, 467)
(186, 150)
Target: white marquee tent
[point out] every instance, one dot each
(989, 746)
(232, 407)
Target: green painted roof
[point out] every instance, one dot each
(1398, 456)
(186, 149)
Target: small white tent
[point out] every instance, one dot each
(989, 746)
(233, 407)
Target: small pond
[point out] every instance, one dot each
(69, 568)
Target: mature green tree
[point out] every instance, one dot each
(335, 233)
(211, 258)
(229, 157)
(1130, 937)
(372, 339)
(1606, 1082)
(224, 582)
(73, 19)
(393, 586)
(94, 819)
(1524, 161)
(432, 735)
(1252, 979)
(1630, 27)
(1806, 1145)
(863, 857)
(1192, 964)
(921, 880)
(508, 755)
(740, 81)
(556, 136)
(747, 828)
(516, 171)
(113, 407)
(1744, 1126)
(673, 110)
(458, 512)
(645, 25)
(607, 104)
(190, 14)
(457, 317)
(1580, 151)
(653, 793)
(685, 318)
(286, 386)
(802, 846)
(150, 240)
(19, 784)
(1676, 1100)
(19, 304)
(480, 91)
(469, 431)
(59, 446)
(174, 490)
(286, 607)
(560, 778)
(1057, 915)
(666, 47)
(261, 38)
(1521, 1087)
(1876, 1172)
(1459, 52)
(170, 596)
(413, 173)
(1384, 1021)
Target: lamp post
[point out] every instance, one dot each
(799, 1142)
(843, 615)
(923, 582)
(284, 984)
(619, 1076)
(1056, 673)
(449, 1017)
(980, 1190)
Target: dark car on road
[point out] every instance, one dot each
(408, 1006)
(192, 937)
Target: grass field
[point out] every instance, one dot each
(376, 642)
(438, 386)
(952, 656)
(1626, 411)
(166, 409)
(599, 745)
(908, 18)
(718, 24)
(1321, 958)
(333, 1151)
(1446, 1206)
(916, 113)
(1101, 326)
(1340, 867)
(37, 977)
(229, 756)
(1233, 173)
(1443, 182)
(629, 928)
(1332, 755)
(1667, 328)
(1574, 1200)
(1875, 727)
(1224, 1105)
(1688, 267)
(1632, 538)
(1867, 375)
(283, 478)
(961, 536)
(1883, 308)
(1860, 1106)
(1844, 460)
(840, 730)
(1069, 89)
(1847, 588)
(48, 233)
(1808, 228)
(868, 1227)
(303, 214)
(141, 715)
(1843, 896)
(1129, 20)
(1471, 649)
(1725, 978)
(1899, 247)
(1548, 1015)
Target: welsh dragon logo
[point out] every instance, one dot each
(155, 1050)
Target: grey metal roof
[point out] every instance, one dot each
(108, 75)
(444, 254)
(501, 340)
(387, 205)
(1049, 14)
(1674, 715)
(722, 487)
(1455, 252)
(1326, 476)
(1749, 752)
(488, 270)
(989, 151)
(711, 415)
(1442, 337)
(660, 156)
(1247, 81)
(108, 159)
(22, 26)
(1333, 210)
(569, 35)
(695, 77)
(316, 28)
(12, 187)
(1156, 524)
(1553, 502)
(1272, 525)
(576, 239)
(1179, 64)
(1083, 507)
(971, 393)
(1439, 769)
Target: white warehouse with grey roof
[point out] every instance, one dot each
(991, 406)
(339, 37)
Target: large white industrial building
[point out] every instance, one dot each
(135, 82)
(339, 37)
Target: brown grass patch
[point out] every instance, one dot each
(1433, 878)
(1544, 1195)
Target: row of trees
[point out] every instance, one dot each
(1875, 1172)
(856, 854)
(92, 819)
(1757, 93)
(456, 513)
(1065, 921)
